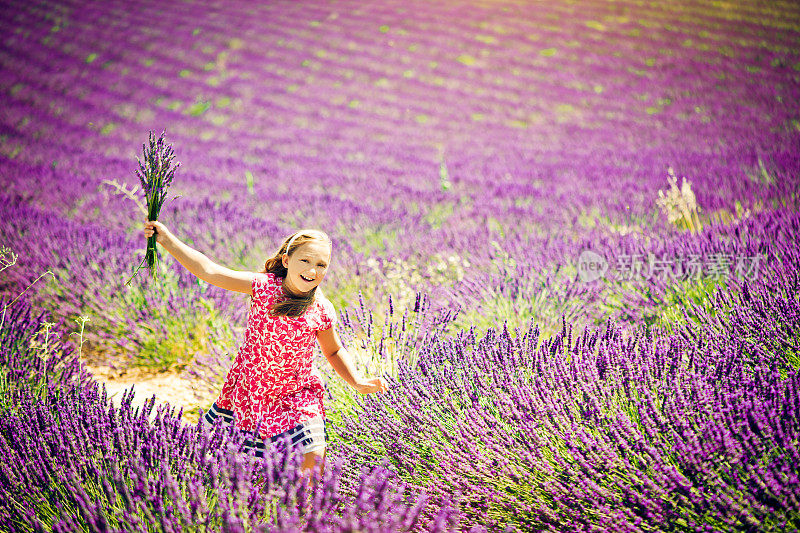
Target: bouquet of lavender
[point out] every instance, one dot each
(156, 171)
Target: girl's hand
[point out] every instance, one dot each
(153, 227)
(368, 386)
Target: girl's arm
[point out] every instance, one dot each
(197, 263)
(341, 362)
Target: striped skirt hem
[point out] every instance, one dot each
(309, 436)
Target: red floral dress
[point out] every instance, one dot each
(272, 378)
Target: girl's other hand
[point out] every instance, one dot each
(153, 227)
(368, 386)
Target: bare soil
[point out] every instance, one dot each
(173, 388)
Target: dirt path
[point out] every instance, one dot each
(169, 388)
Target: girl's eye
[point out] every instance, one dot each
(304, 260)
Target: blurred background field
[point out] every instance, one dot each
(462, 156)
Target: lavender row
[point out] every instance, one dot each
(93, 285)
(605, 430)
(76, 461)
(411, 164)
(520, 271)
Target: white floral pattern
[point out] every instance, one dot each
(272, 378)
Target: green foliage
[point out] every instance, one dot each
(680, 306)
(9, 388)
(198, 108)
(159, 326)
(374, 241)
(635, 301)
(41, 346)
(378, 347)
(343, 292)
(249, 180)
(539, 296)
(173, 339)
(438, 214)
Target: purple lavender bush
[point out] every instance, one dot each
(616, 429)
(75, 461)
(380, 348)
(32, 357)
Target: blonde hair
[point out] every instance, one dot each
(292, 305)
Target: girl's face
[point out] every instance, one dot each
(307, 266)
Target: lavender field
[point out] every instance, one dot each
(565, 232)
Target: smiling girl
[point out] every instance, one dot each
(272, 380)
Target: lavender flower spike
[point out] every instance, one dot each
(156, 172)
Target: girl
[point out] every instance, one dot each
(272, 379)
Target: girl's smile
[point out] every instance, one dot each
(307, 266)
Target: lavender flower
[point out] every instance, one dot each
(156, 172)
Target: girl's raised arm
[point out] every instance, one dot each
(197, 263)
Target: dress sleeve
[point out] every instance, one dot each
(328, 315)
(262, 283)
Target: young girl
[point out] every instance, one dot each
(272, 379)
